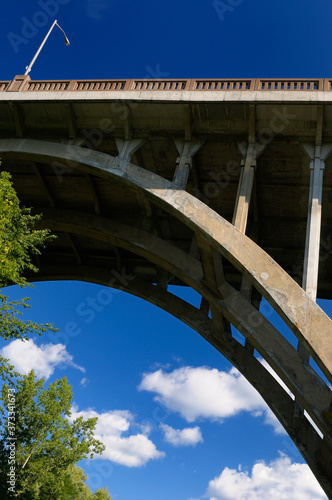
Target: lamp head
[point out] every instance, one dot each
(67, 42)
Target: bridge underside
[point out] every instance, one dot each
(225, 198)
(276, 221)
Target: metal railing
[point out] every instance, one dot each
(24, 84)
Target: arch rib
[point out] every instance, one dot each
(305, 318)
(309, 323)
(301, 380)
(304, 435)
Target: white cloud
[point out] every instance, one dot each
(207, 393)
(27, 356)
(279, 480)
(271, 419)
(182, 437)
(84, 382)
(130, 450)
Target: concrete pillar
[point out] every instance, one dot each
(250, 152)
(312, 245)
(127, 148)
(318, 154)
(241, 211)
(186, 150)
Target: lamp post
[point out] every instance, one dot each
(28, 68)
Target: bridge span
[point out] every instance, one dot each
(224, 186)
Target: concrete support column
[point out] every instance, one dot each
(241, 211)
(318, 154)
(311, 257)
(250, 152)
(186, 150)
(127, 148)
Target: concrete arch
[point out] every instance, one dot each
(303, 434)
(305, 318)
(273, 347)
(308, 322)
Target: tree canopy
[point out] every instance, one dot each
(39, 443)
(18, 241)
(47, 443)
(18, 236)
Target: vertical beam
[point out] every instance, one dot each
(43, 185)
(19, 120)
(214, 279)
(72, 126)
(127, 148)
(119, 264)
(163, 278)
(74, 248)
(187, 122)
(243, 196)
(250, 153)
(127, 122)
(312, 245)
(94, 193)
(311, 258)
(186, 150)
(204, 306)
(317, 153)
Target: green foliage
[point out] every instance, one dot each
(18, 238)
(47, 444)
(101, 494)
(75, 489)
(11, 326)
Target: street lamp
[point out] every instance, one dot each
(28, 68)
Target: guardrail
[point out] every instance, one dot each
(24, 84)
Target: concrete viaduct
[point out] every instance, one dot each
(224, 186)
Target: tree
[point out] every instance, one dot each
(75, 488)
(18, 240)
(46, 444)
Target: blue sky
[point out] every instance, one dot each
(178, 421)
(185, 39)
